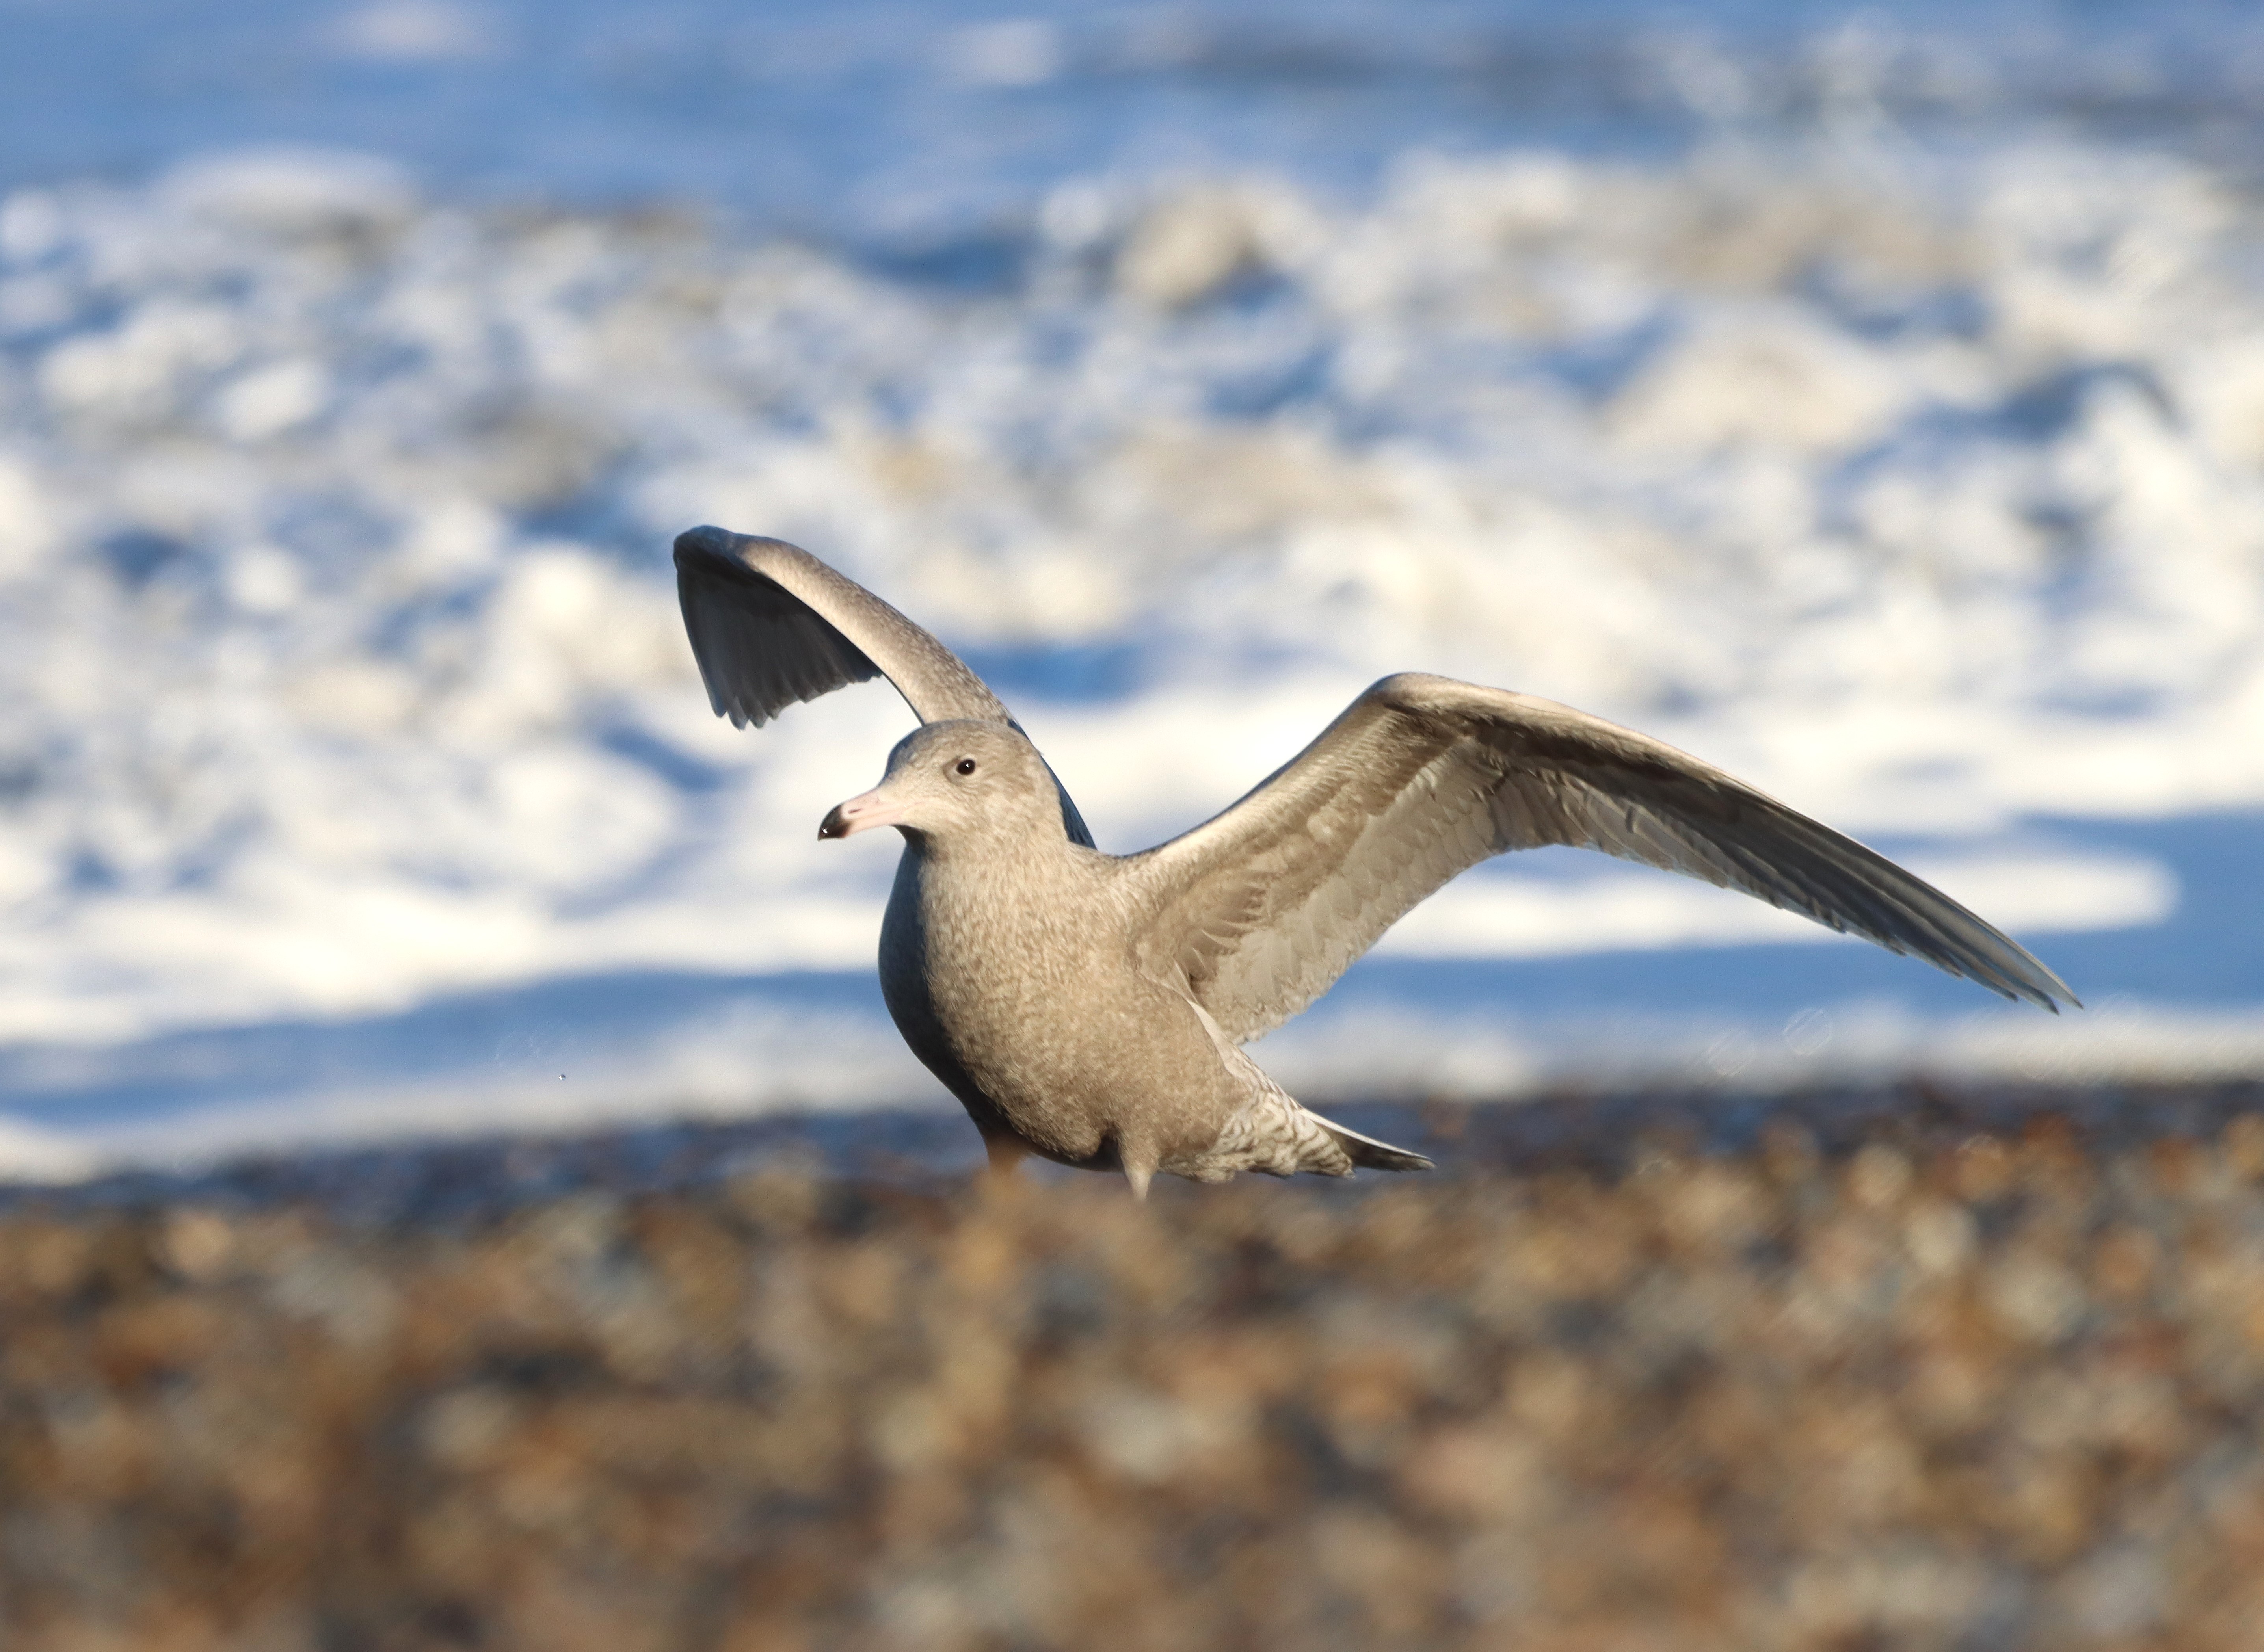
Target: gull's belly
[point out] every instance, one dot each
(1042, 1028)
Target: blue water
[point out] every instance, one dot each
(906, 120)
(923, 140)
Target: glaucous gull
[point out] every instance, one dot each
(1091, 1007)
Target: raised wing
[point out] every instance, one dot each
(1259, 910)
(771, 626)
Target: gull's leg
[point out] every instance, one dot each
(1007, 1154)
(1138, 1160)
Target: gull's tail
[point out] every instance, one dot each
(1367, 1152)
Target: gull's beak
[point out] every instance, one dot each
(859, 815)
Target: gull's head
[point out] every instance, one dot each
(959, 780)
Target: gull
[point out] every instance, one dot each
(1091, 1008)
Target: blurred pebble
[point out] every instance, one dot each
(1989, 1377)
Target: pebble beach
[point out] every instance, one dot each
(1921, 1369)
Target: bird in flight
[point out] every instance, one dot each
(1091, 1007)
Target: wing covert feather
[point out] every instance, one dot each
(1261, 910)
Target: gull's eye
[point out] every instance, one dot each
(967, 765)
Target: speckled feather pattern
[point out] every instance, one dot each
(1090, 1007)
(1007, 961)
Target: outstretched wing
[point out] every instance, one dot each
(1261, 910)
(771, 626)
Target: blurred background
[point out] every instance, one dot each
(1870, 401)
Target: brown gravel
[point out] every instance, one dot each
(1908, 1386)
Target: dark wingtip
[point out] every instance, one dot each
(2049, 991)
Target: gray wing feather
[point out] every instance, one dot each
(1261, 910)
(771, 626)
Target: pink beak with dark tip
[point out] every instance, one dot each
(857, 815)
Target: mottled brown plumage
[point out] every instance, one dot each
(1090, 1007)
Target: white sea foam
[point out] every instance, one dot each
(1492, 1056)
(1502, 914)
(339, 665)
